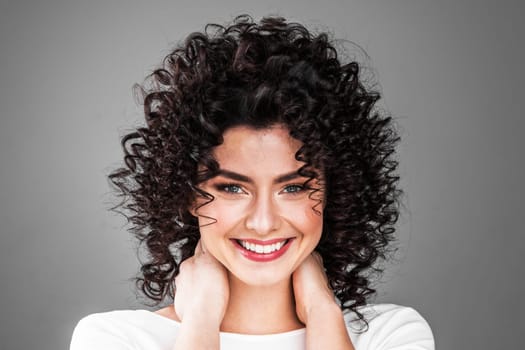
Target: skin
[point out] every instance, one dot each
(258, 195)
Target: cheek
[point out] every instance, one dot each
(218, 216)
(213, 227)
(307, 219)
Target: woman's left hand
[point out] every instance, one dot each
(311, 288)
(317, 308)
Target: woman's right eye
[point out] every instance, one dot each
(230, 188)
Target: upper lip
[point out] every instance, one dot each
(265, 242)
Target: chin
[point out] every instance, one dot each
(262, 279)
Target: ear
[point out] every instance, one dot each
(193, 208)
(195, 203)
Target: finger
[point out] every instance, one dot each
(203, 247)
(317, 257)
(199, 249)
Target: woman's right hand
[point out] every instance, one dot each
(201, 289)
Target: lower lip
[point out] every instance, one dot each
(260, 257)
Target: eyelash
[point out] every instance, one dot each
(227, 188)
(297, 189)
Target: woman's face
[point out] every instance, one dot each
(262, 222)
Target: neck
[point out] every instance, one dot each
(260, 309)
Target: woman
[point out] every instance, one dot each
(264, 189)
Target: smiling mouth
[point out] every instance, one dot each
(262, 248)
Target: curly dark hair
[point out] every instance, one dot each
(259, 75)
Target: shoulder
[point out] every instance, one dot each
(122, 330)
(390, 326)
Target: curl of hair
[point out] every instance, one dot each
(260, 74)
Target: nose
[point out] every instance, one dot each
(263, 217)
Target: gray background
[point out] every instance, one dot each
(451, 73)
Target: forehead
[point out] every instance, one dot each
(246, 149)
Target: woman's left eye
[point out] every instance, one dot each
(293, 189)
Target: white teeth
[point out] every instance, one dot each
(262, 249)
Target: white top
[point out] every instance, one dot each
(391, 327)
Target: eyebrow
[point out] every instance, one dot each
(243, 178)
